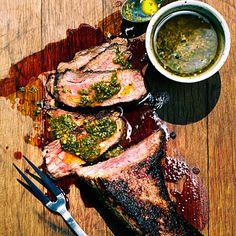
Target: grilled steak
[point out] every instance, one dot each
(64, 156)
(132, 186)
(97, 88)
(100, 58)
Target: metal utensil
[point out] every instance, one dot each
(59, 206)
(139, 11)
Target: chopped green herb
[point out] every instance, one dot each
(37, 111)
(86, 148)
(114, 152)
(61, 126)
(84, 100)
(21, 89)
(55, 91)
(101, 129)
(84, 92)
(38, 103)
(128, 11)
(33, 89)
(64, 90)
(106, 89)
(103, 91)
(120, 58)
(187, 45)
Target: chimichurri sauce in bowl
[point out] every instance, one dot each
(186, 44)
(187, 41)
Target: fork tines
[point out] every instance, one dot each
(44, 180)
(58, 206)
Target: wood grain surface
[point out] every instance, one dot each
(203, 116)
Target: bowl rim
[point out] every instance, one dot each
(188, 79)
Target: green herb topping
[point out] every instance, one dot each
(105, 90)
(33, 89)
(84, 92)
(65, 90)
(86, 148)
(55, 91)
(37, 111)
(101, 129)
(114, 152)
(61, 126)
(120, 58)
(85, 100)
(102, 91)
(21, 89)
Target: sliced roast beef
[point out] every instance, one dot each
(99, 58)
(114, 57)
(64, 156)
(97, 88)
(99, 76)
(78, 117)
(132, 186)
(60, 163)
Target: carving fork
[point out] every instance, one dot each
(59, 206)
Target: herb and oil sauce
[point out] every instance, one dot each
(120, 59)
(61, 126)
(90, 135)
(100, 91)
(105, 90)
(186, 44)
(114, 152)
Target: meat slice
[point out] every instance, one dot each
(59, 162)
(98, 58)
(82, 58)
(97, 89)
(114, 57)
(78, 117)
(132, 186)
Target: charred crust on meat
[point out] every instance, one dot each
(144, 206)
(57, 77)
(145, 213)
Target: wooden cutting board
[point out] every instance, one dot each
(202, 115)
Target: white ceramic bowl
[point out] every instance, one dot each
(208, 12)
